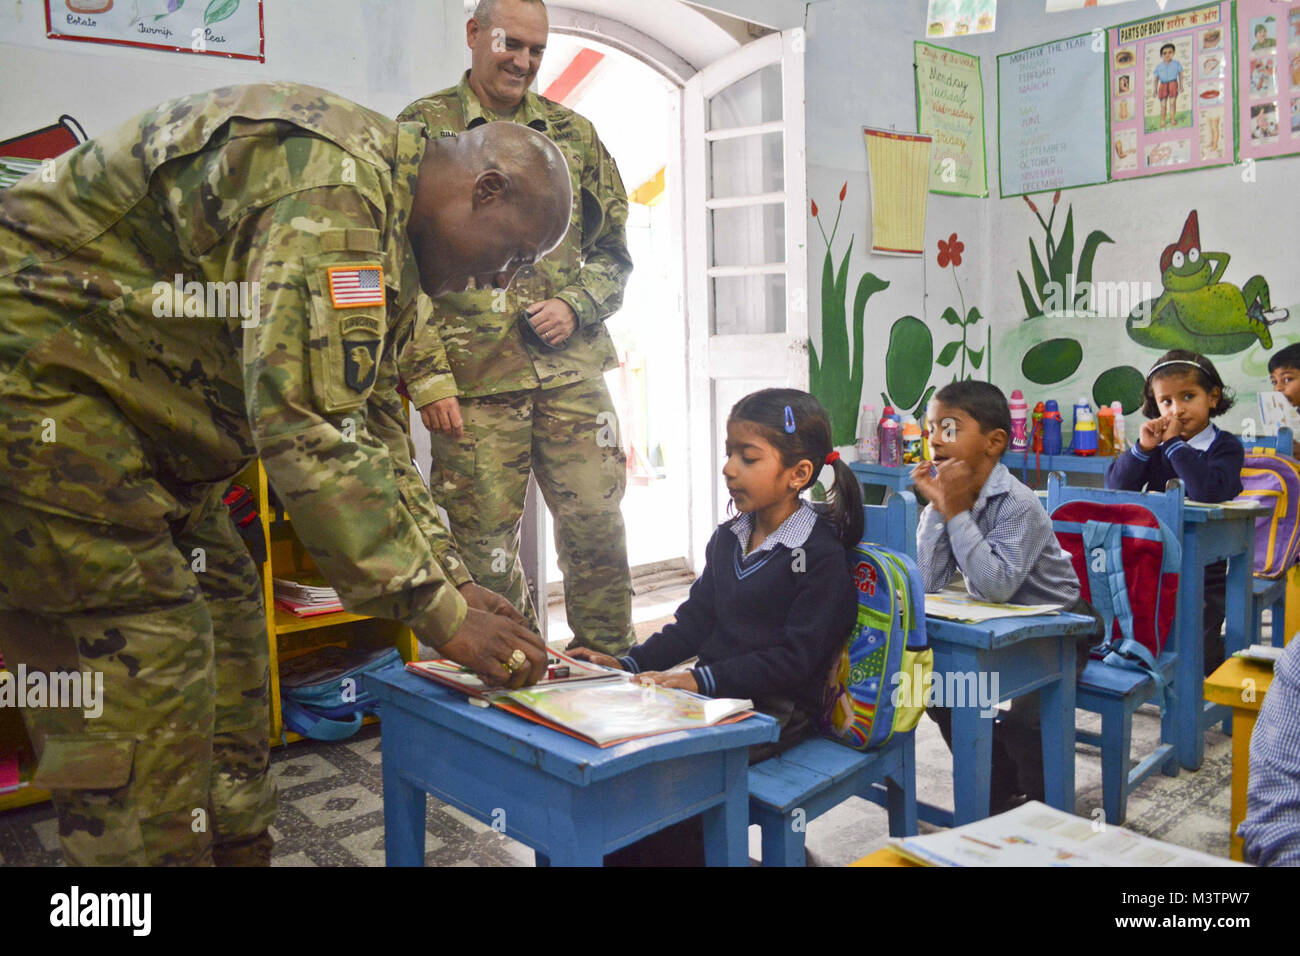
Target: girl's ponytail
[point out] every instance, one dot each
(845, 502)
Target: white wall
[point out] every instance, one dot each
(859, 72)
(381, 55)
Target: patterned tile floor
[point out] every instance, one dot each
(331, 808)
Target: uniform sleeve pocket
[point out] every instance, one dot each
(347, 329)
(90, 762)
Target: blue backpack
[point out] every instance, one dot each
(322, 695)
(878, 683)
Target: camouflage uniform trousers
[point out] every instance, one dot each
(568, 437)
(174, 769)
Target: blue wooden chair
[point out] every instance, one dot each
(1114, 692)
(810, 778)
(1269, 592)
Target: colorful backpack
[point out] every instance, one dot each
(877, 685)
(1127, 561)
(1273, 479)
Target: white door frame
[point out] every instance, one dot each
(782, 357)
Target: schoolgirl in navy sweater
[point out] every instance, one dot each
(1183, 392)
(776, 600)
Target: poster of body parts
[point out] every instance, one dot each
(950, 109)
(1052, 116)
(1268, 78)
(1171, 93)
(230, 28)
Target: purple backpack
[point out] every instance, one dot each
(1273, 479)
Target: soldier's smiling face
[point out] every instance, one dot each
(507, 52)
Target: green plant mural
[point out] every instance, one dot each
(1196, 311)
(910, 360)
(835, 381)
(950, 255)
(1059, 283)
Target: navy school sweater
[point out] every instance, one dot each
(765, 627)
(1210, 475)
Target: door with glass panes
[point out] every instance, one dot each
(746, 248)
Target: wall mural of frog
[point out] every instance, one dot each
(1199, 312)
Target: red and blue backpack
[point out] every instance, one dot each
(1127, 561)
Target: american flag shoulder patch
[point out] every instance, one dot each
(355, 286)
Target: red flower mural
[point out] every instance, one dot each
(951, 251)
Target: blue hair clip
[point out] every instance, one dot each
(789, 421)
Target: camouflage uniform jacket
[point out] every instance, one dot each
(272, 185)
(471, 345)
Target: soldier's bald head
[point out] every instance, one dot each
(534, 164)
(488, 201)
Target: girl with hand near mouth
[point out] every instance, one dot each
(1183, 392)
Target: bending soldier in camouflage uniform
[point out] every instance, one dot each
(498, 406)
(127, 404)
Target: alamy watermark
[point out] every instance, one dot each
(224, 300)
(950, 689)
(1078, 299)
(65, 689)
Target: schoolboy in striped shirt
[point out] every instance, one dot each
(992, 528)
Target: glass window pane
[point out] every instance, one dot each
(748, 235)
(748, 102)
(747, 165)
(747, 305)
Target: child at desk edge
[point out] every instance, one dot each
(1183, 392)
(983, 522)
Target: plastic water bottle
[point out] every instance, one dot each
(1106, 430)
(891, 441)
(1019, 417)
(1121, 442)
(1051, 428)
(1086, 443)
(868, 438)
(1085, 439)
(911, 440)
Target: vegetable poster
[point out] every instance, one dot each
(1052, 116)
(231, 28)
(1171, 93)
(950, 109)
(1268, 78)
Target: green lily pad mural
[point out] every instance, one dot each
(1052, 361)
(1122, 384)
(909, 360)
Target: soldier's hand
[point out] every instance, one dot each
(482, 599)
(485, 642)
(553, 320)
(443, 416)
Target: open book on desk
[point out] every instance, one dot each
(1035, 834)
(604, 708)
(958, 605)
(562, 669)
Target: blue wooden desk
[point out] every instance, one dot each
(1210, 533)
(1022, 464)
(1028, 654)
(570, 801)
(900, 478)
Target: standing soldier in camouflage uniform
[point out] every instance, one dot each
(498, 405)
(228, 275)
